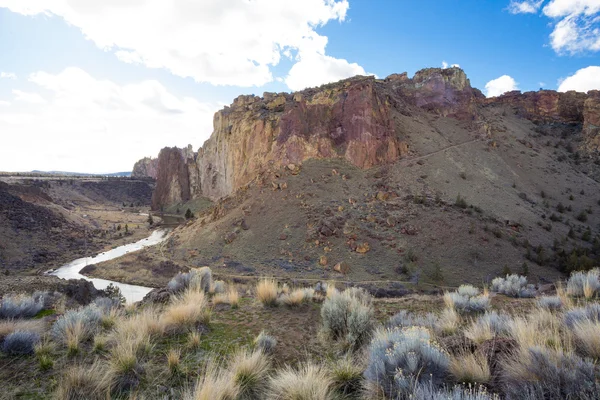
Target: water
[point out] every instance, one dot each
(132, 293)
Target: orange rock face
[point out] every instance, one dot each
(591, 126)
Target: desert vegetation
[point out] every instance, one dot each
(474, 344)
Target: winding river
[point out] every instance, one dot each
(132, 293)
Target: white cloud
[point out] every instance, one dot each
(90, 125)
(27, 97)
(542, 84)
(446, 65)
(500, 85)
(8, 75)
(314, 69)
(576, 23)
(224, 42)
(583, 80)
(4, 103)
(525, 7)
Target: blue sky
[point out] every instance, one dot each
(93, 86)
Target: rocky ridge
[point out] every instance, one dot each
(354, 119)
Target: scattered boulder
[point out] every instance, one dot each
(323, 260)
(230, 237)
(363, 248)
(342, 267)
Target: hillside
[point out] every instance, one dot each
(420, 180)
(48, 221)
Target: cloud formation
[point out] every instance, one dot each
(8, 75)
(223, 42)
(75, 121)
(582, 81)
(576, 23)
(500, 85)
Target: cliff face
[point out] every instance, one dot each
(145, 168)
(545, 105)
(351, 119)
(591, 126)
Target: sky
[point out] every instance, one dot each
(92, 86)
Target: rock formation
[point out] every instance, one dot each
(145, 168)
(351, 119)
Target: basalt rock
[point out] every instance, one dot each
(145, 168)
(545, 105)
(591, 118)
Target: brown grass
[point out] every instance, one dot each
(174, 360)
(186, 311)
(9, 326)
(470, 368)
(214, 384)
(309, 381)
(587, 338)
(293, 299)
(266, 292)
(81, 382)
(194, 339)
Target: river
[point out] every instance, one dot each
(132, 293)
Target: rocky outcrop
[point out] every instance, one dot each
(545, 105)
(591, 125)
(351, 119)
(145, 168)
(176, 173)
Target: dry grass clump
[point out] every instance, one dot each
(249, 371)
(448, 322)
(82, 382)
(294, 299)
(194, 340)
(308, 381)
(214, 384)
(587, 338)
(231, 297)
(470, 368)
(487, 326)
(540, 328)
(174, 361)
(12, 325)
(266, 292)
(551, 303)
(125, 368)
(186, 311)
(347, 375)
(542, 373)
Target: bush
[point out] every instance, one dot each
(309, 381)
(584, 284)
(551, 375)
(399, 359)
(84, 322)
(106, 304)
(552, 303)
(348, 317)
(9, 326)
(114, 293)
(20, 342)
(513, 286)
(218, 287)
(265, 342)
(587, 338)
(467, 299)
(404, 319)
(215, 384)
(470, 368)
(347, 375)
(21, 306)
(591, 312)
(200, 278)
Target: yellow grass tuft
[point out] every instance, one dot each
(81, 382)
(309, 381)
(231, 297)
(266, 292)
(587, 338)
(186, 311)
(215, 384)
(293, 299)
(249, 371)
(194, 339)
(174, 360)
(470, 368)
(449, 321)
(74, 334)
(9, 326)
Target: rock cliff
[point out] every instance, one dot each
(353, 119)
(145, 168)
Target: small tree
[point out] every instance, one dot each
(150, 220)
(189, 214)
(126, 228)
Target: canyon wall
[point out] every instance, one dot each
(350, 119)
